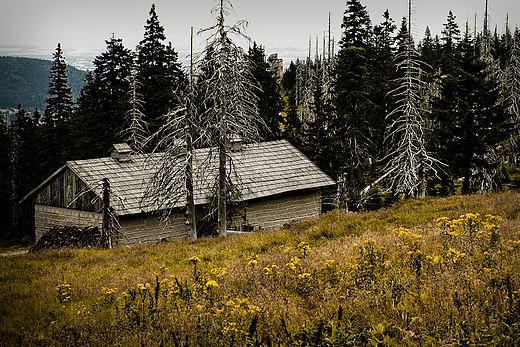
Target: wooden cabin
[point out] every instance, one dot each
(277, 182)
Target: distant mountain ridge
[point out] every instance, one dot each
(26, 81)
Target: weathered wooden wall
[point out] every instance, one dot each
(67, 190)
(273, 212)
(46, 217)
(149, 228)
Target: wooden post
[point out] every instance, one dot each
(106, 234)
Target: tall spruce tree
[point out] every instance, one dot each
(403, 37)
(429, 52)
(353, 104)
(160, 73)
(382, 82)
(292, 124)
(28, 169)
(356, 25)
(59, 103)
(450, 37)
(59, 107)
(104, 102)
(6, 180)
(472, 121)
(318, 133)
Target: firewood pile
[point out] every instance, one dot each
(68, 237)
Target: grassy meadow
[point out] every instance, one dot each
(430, 272)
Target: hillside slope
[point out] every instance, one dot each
(26, 81)
(430, 272)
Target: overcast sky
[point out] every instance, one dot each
(34, 27)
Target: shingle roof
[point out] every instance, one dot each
(260, 170)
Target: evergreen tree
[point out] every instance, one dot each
(353, 126)
(160, 72)
(471, 121)
(58, 111)
(429, 52)
(450, 38)
(403, 37)
(292, 125)
(84, 126)
(383, 34)
(26, 163)
(318, 133)
(6, 180)
(382, 82)
(357, 27)
(104, 102)
(496, 45)
(289, 78)
(505, 48)
(269, 94)
(59, 103)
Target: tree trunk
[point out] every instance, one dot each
(466, 183)
(106, 235)
(190, 202)
(222, 193)
(421, 190)
(222, 186)
(342, 193)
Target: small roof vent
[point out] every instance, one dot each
(120, 152)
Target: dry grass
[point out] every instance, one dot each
(390, 277)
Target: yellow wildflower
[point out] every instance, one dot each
(194, 259)
(304, 276)
(211, 284)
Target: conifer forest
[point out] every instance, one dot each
(385, 115)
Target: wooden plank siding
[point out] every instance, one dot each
(274, 212)
(68, 191)
(47, 217)
(151, 228)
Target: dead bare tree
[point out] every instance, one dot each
(137, 132)
(171, 159)
(220, 106)
(512, 87)
(169, 153)
(228, 94)
(408, 160)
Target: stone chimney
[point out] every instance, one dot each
(120, 152)
(235, 143)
